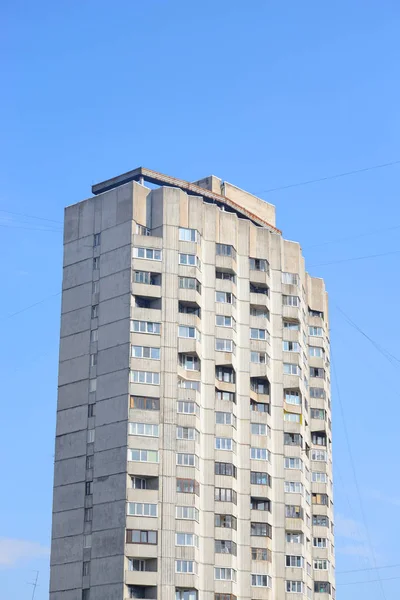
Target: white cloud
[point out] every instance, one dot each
(12, 551)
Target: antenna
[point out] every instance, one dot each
(34, 583)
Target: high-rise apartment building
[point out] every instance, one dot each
(193, 451)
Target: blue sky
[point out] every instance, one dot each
(263, 94)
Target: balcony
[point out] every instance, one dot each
(142, 592)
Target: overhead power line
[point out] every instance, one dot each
(336, 262)
(369, 581)
(18, 226)
(330, 177)
(352, 237)
(18, 312)
(9, 212)
(367, 569)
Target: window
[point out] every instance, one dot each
(147, 377)
(225, 396)
(226, 521)
(142, 230)
(88, 488)
(146, 429)
(96, 263)
(293, 487)
(320, 499)
(187, 408)
(225, 597)
(225, 444)
(223, 345)
(259, 454)
(291, 301)
(190, 362)
(187, 384)
(222, 321)
(95, 311)
(225, 574)
(322, 587)
(320, 520)
(319, 542)
(95, 287)
(227, 469)
(261, 530)
(185, 566)
(292, 439)
(87, 541)
(259, 311)
(143, 455)
(93, 360)
(291, 369)
(144, 403)
(138, 565)
(260, 386)
(315, 331)
(92, 385)
(261, 358)
(317, 392)
(260, 580)
(190, 260)
(187, 460)
(148, 253)
(225, 374)
(259, 289)
(225, 297)
(146, 327)
(225, 547)
(88, 515)
(259, 406)
(225, 250)
(291, 417)
(293, 397)
(318, 477)
(321, 565)
(89, 461)
(315, 313)
(319, 455)
(318, 438)
(259, 478)
(86, 594)
(261, 554)
(293, 325)
(225, 418)
(293, 512)
(225, 495)
(318, 413)
(296, 587)
(294, 537)
(91, 410)
(96, 239)
(86, 568)
(188, 235)
(139, 509)
(294, 561)
(293, 463)
(259, 264)
(316, 351)
(188, 513)
(259, 429)
(139, 483)
(186, 595)
(188, 332)
(186, 539)
(258, 334)
(317, 372)
(291, 346)
(260, 504)
(147, 277)
(226, 275)
(90, 436)
(94, 336)
(138, 536)
(187, 433)
(187, 486)
(189, 308)
(146, 352)
(290, 278)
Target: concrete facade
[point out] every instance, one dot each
(193, 445)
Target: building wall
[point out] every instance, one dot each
(104, 300)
